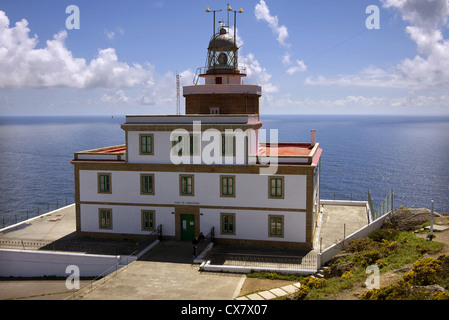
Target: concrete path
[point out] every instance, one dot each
(338, 222)
(167, 273)
(272, 293)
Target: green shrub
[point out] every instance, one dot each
(383, 234)
(347, 275)
(424, 272)
(397, 291)
(313, 283)
(302, 292)
(440, 296)
(358, 245)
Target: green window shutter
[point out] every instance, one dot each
(104, 183)
(276, 226)
(146, 144)
(147, 184)
(276, 188)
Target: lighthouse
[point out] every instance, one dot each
(203, 171)
(222, 90)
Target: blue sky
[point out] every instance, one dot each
(309, 56)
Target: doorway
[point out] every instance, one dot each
(187, 227)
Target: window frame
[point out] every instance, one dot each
(102, 225)
(224, 215)
(181, 178)
(276, 219)
(146, 153)
(223, 145)
(99, 182)
(194, 144)
(227, 177)
(282, 186)
(151, 220)
(147, 175)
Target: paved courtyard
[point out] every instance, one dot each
(167, 273)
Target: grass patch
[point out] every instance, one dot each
(388, 249)
(275, 276)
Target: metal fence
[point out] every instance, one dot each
(83, 245)
(210, 237)
(80, 245)
(385, 206)
(350, 196)
(305, 262)
(40, 209)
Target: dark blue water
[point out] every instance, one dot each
(408, 154)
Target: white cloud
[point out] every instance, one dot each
(286, 58)
(298, 67)
(110, 35)
(23, 65)
(353, 104)
(429, 69)
(263, 13)
(259, 74)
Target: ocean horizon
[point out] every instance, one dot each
(404, 153)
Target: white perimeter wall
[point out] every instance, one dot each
(21, 263)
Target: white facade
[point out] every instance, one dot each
(251, 192)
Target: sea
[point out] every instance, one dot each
(361, 153)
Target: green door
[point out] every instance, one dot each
(187, 227)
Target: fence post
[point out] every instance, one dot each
(392, 197)
(431, 223)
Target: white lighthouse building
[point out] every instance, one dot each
(206, 169)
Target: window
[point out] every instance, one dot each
(104, 183)
(147, 184)
(105, 218)
(227, 186)
(148, 220)
(146, 144)
(191, 143)
(227, 145)
(227, 223)
(186, 185)
(276, 187)
(214, 110)
(275, 226)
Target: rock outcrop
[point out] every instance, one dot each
(407, 219)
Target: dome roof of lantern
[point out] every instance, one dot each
(222, 41)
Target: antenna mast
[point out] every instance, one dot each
(178, 95)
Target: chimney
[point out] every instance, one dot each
(312, 137)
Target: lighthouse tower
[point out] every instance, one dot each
(223, 91)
